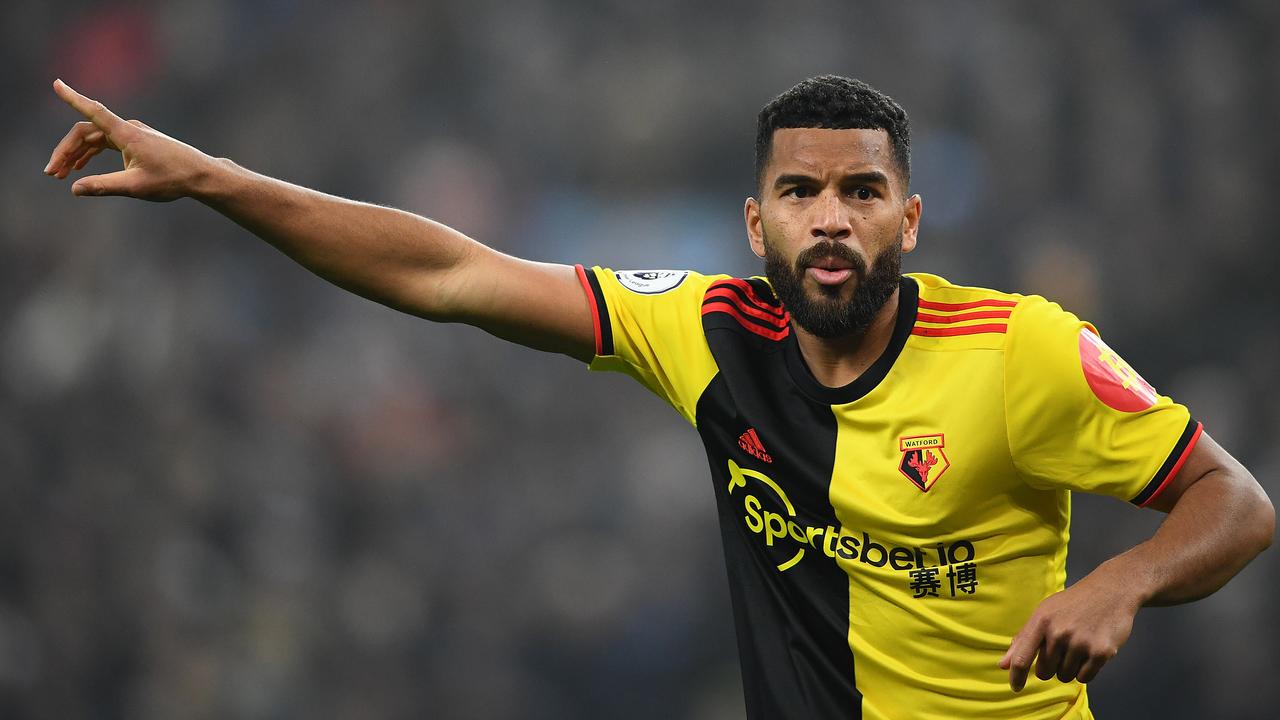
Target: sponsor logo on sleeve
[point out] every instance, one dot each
(1112, 379)
(651, 282)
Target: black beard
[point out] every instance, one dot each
(827, 317)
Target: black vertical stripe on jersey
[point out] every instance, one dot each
(793, 625)
(602, 313)
(1157, 481)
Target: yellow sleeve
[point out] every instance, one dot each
(1079, 417)
(648, 324)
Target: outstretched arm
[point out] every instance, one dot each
(1219, 519)
(396, 258)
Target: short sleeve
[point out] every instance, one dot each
(1079, 417)
(648, 324)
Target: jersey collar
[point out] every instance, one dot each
(908, 300)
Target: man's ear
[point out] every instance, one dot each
(911, 222)
(755, 228)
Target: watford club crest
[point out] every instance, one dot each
(923, 459)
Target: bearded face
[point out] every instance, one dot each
(823, 312)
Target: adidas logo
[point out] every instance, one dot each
(750, 442)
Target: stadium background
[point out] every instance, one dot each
(230, 490)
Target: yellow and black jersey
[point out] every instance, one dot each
(886, 539)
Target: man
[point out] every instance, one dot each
(892, 455)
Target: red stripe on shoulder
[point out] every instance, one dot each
(979, 315)
(751, 297)
(751, 294)
(952, 307)
(961, 330)
(733, 297)
(734, 311)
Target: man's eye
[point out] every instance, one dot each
(864, 193)
(799, 192)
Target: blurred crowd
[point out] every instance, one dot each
(233, 491)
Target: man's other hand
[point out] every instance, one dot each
(156, 167)
(1073, 633)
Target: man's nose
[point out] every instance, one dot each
(831, 218)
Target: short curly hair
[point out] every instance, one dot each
(838, 103)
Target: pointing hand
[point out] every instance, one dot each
(156, 166)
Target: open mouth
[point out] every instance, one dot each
(830, 277)
(830, 270)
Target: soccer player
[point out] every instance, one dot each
(892, 455)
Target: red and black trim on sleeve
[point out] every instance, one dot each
(1172, 464)
(599, 310)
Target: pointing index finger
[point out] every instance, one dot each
(94, 111)
(1022, 652)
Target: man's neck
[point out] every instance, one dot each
(836, 362)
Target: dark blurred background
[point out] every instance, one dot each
(230, 490)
